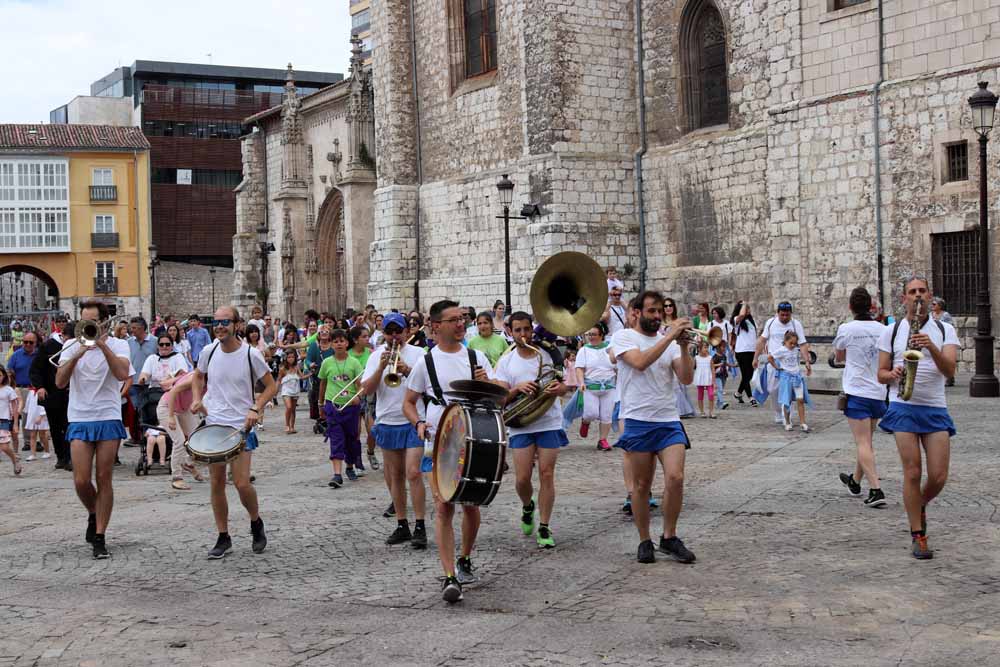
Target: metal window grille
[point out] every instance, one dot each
(955, 258)
(958, 162)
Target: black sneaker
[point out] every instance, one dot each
(351, 474)
(451, 590)
(463, 570)
(853, 487)
(91, 528)
(875, 498)
(259, 538)
(419, 540)
(26, 448)
(647, 554)
(627, 506)
(390, 511)
(400, 535)
(223, 546)
(100, 551)
(674, 548)
(336, 482)
(920, 549)
(738, 397)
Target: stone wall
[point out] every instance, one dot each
(183, 289)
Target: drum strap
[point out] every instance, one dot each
(208, 365)
(438, 397)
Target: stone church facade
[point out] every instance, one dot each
(779, 149)
(308, 182)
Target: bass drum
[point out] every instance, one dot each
(215, 443)
(469, 450)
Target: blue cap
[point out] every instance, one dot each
(394, 318)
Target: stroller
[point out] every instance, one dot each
(149, 398)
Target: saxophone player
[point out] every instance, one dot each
(922, 421)
(518, 372)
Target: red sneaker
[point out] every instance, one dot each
(584, 429)
(603, 445)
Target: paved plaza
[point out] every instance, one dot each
(790, 571)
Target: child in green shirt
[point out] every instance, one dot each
(340, 381)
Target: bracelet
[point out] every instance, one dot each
(419, 422)
(254, 409)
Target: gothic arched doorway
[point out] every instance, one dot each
(25, 288)
(330, 254)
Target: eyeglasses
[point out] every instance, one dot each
(28, 342)
(221, 323)
(593, 335)
(453, 320)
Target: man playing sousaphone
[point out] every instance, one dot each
(231, 368)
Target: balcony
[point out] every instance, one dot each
(106, 285)
(103, 193)
(106, 240)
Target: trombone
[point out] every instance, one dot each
(86, 333)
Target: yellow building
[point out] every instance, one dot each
(361, 25)
(74, 212)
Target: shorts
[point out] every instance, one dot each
(553, 439)
(643, 436)
(108, 429)
(396, 437)
(859, 407)
(6, 424)
(919, 419)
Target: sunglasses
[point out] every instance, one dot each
(221, 323)
(166, 344)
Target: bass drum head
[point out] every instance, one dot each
(215, 443)
(450, 451)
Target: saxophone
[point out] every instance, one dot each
(912, 356)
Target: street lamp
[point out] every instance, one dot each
(154, 261)
(211, 272)
(984, 383)
(265, 247)
(506, 189)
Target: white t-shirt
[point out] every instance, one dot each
(703, 376)
(183, 348)
(389, 400)
(157, 369)
(647, 395)
(616, 319)
(596, 364)
(615, 282)
(774, 332)
(746, 341)
(787, 360)
(514, 369)
(259, 324)
(229, 394)
(94, 391)
(928, 386)
(860, 339)
(8, 397)
(449, 366)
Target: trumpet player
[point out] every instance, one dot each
(402, 449)
(519, 373)
(923, 420)
(339, 384)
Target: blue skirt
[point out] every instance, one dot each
(394, 437)
(543, 439)
(643, 436)
(919, 419)
(109, 429)
(859, 407)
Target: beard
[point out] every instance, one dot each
(649, 326)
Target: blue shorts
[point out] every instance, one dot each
(396, 437)
(643, 436)
(6, 424)
(543, 440)
(919, 419)
(109, 429)
(859, 407)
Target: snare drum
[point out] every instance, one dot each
(215, 443)
(469, 450)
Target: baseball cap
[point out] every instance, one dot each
(394, 318)
(785, 305)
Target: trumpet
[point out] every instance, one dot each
(86, 333)
(393, 378)
(695, 336)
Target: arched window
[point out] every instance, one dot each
(704, 61)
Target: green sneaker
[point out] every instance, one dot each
(528, 519)
(545, 540)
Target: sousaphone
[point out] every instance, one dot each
(569, 293)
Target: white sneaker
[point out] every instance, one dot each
(788, 426)
(31, 457)
(805, 428)
(778, 419)
(46, 455)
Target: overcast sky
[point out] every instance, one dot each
(54, 49)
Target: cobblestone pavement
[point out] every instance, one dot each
(790, 571)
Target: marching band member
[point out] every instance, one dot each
(339, 386)
(449, 361)
(650, 364)
(923, 420)
(402, 449)
(231, 369)
(94, 375)
(518, 373)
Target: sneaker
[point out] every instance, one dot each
(627, 506)
(853, 487)
(100, 550)
(545, 540)
(336, 482)
(738, 397)
(46, 455)
(603, 445)
(451, 590)
(91, 529)
(419, 540)
(703, 415)
(31, 457)
(754, 403)
(788, 426)
(463, 570)
(26, 448)
(373, 461)
(725, 405)
(259, 538)
(359, 470)
(528, 519)
(584, 429)
(920, 549)
(805, 428)
(223, 547)
(779, 419)
(351, 474)
(400, 535)
(673, 547)
(653, 504)
(390, 511)
(646, 554)
(38, 447)
(875, 498)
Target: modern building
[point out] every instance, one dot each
(191, 115)
(361, 27)
(74, 213)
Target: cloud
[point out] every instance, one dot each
(57, 48)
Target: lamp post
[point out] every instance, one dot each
(506, 189)
(154, 261)
(211, 272)
(265, 247)
(984, 383)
